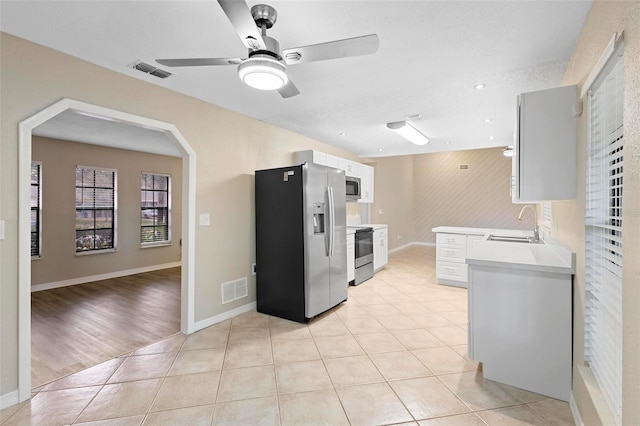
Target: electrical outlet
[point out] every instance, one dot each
(254, 269)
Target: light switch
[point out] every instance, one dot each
(205, 219)
(380, 211)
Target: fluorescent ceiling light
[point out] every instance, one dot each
(408, 132)
(263, 72)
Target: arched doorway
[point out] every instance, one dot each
(173, 137)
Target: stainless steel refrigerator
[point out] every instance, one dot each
(301, 240)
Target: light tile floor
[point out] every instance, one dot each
(394, 353)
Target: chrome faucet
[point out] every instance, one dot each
(536, 230)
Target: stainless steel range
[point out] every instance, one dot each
(364, 254)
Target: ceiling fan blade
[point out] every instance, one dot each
(240, 16)
(357, 46)
(288, 90)
(198, 62)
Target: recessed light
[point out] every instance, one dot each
(447, 143)
(379, 149)
(488, 120)
(491, 138)
(343, 134)
(480, 86)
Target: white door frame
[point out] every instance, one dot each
(187, 304)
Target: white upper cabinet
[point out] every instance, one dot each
(366, 181)
(351, 168)
(544, 150)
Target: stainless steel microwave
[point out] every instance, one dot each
(354, 187)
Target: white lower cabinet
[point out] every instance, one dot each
(520, 327)
(451, 255)
(351, 257)
(380, 248)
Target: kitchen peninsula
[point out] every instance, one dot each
(520, 313)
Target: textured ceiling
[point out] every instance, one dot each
(431, 55)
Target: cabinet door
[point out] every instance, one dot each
(350, 167)
(366, 180)
(544, 157)
(351, 258)
(332, 161)
(380, 248)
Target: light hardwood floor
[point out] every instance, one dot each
(79, 326)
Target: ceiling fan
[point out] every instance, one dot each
(265, 67)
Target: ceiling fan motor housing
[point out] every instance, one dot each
(264, 14)
(273, 48)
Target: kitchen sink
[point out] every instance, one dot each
(513, 239)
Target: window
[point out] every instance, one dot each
(603, 231)
(155, 207)
(36, 209)
(545, 221)
(95, 209)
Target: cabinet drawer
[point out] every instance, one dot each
(380, 233)
(451, 271)
(451, 253)
(451, 239)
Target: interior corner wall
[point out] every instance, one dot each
(59, 262)
(393, 200)
(479, 197)
(567, 223)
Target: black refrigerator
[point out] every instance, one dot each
(301, 253)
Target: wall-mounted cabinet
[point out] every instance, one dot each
(351, 168)
(544, 150)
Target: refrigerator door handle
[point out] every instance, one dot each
(327, 222)
(332, 221)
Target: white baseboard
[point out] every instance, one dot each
(9, 399)
(411, 244)
(107, 276)
(251, 306)
(417, 243)
(577, 419)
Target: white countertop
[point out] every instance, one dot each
(549, 256)
(370, 225)
(481, 231)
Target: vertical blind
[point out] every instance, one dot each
(603, 230)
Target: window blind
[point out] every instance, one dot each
(95, 209)
(155, 207)
(603, 230)
(36, 208)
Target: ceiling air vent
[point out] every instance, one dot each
(150, 69)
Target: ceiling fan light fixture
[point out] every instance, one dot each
(408, 132)
(263, 72)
